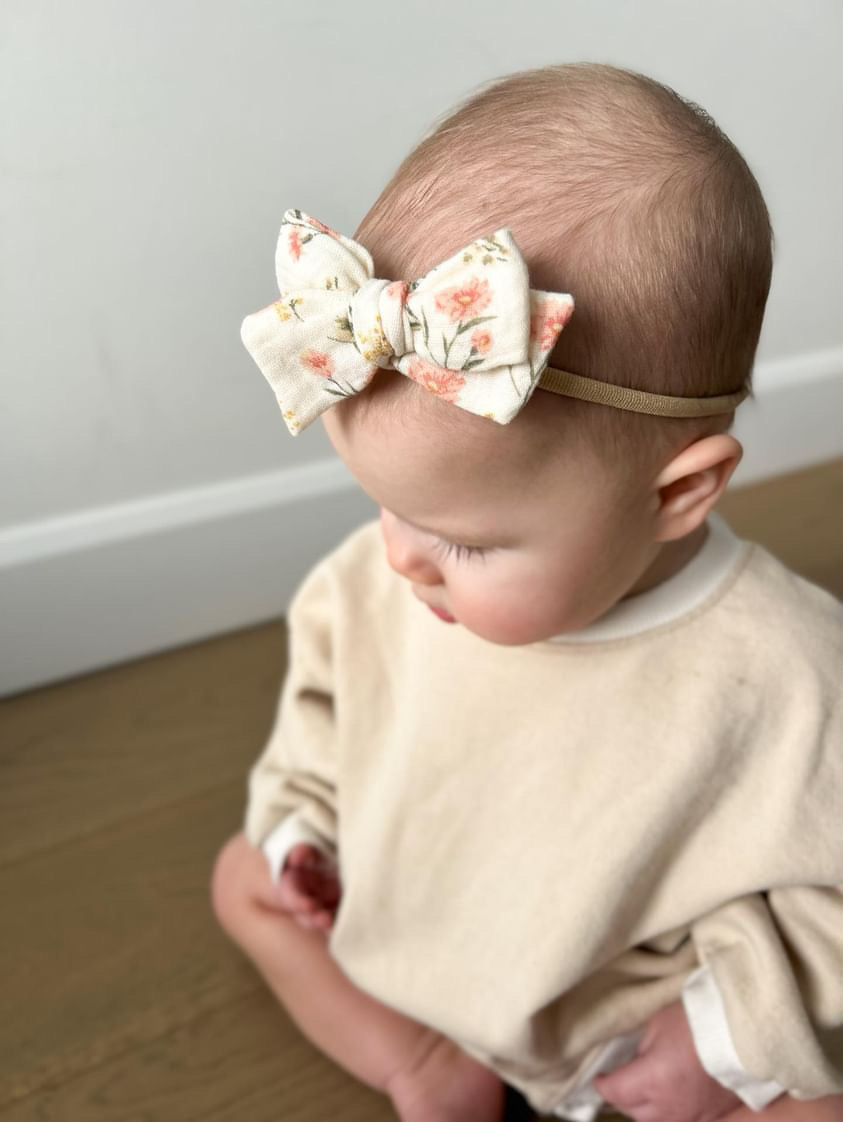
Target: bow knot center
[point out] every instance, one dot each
(379, 320)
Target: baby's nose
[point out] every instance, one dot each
(410, 562)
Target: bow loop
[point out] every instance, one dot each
(309, 254)
(472, 311)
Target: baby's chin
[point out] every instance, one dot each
(512, 631)
(507, 633)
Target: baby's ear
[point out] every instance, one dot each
(690, 485)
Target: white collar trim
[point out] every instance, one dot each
(673, 598)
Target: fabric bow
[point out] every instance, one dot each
(471, 330)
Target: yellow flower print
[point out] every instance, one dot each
(344, 334)
(375, 344)
(285, 310)
(493, 250)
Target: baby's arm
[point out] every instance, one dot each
(773, 962)
(292, 785)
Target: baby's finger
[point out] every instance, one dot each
(320, 883)
(627, 1088)
(325, 887)
(294, 893)
(315, 921)
(324, 920)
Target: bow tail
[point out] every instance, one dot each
(304, 347)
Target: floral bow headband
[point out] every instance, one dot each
(471, 331)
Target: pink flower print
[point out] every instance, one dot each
(323, 229)
(398, 290)
(547, 323)
(442, 382)
(481, 341)
(318, 362)
(294, 243)
(465, 302)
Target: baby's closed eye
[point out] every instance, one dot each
(462, 552)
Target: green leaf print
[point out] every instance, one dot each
(351, 329)
(473, 323)
(447, 346)
(333, 387)
(514, 383)
(534, 377)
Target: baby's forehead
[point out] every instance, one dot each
(437, 465)
(435, 431)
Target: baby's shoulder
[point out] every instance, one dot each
(777, 617)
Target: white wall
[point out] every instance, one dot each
(149, 152)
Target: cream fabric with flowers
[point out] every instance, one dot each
(471, 330)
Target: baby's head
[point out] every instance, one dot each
(621, 193)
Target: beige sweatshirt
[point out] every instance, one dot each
(541, 845)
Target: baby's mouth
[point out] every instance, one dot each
(443, 615)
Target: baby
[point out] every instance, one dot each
(549, 818)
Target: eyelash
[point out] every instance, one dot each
(461, 551)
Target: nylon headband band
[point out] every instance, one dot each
(636, 401)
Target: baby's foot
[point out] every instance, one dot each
(446, 1085)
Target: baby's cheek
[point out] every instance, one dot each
(499, 613)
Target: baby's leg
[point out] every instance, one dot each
(786, 1109)
(428, 1078)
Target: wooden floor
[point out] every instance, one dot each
(120, 1000)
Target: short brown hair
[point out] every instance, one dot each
(620, 192)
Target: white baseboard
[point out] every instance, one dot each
(796, 418)
(90, 590)
(85, 591)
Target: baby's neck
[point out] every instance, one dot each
(672, 557)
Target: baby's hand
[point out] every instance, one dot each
(666, 1081)
(309, 888)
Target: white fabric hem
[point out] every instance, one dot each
(287, 834)
(585, 1102)
(713, 1040)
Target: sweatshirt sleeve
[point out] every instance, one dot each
(296, 771)
(777, 962)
